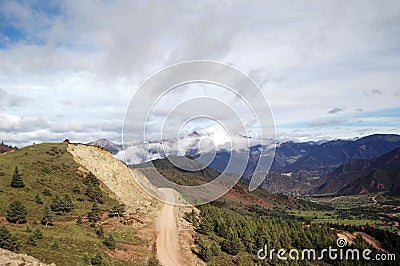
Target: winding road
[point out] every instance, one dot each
(168, 247)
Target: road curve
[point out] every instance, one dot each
(168, 247)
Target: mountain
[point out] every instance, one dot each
(334, 153)
(312, 156)
(108, 145)
(363, 176)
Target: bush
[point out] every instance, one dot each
(37, 234)
(17, 213)
(100, 231)
(117, 211)
(31, 240)
(97, 259)
(110, 242)
(7, 240)
(76, 189)
(38, 199)
(46, 192)
(153, 261)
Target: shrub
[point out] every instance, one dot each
(17, 213)
(79, 220)
(110, 242)
(97, 259)
(153, 261)
(100, 231)
(46, 192)
(38, 199)
(117, 211)
(37, 234)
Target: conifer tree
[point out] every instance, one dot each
(47, 216)
(17, 212)
(17, 180)
(7, 240)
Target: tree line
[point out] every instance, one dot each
(241, 236)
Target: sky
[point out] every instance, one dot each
(68, 69)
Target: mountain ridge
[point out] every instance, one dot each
(363, 176)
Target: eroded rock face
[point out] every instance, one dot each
(118, 178)
(13, 259)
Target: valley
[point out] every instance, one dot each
(106, 218)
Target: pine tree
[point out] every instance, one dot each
(17, 181)
(47, 216)
(95, 213)
(79, 220)
(68, 206)
(7, 240)
(57, 204)
(205, 251)
(232, 243)
(17, 212)
(63, 204)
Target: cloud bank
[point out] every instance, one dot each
(68, 68)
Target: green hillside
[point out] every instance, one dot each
(52, 181)
(258, 202)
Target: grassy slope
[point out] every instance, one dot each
(50, 166)
(239, 197)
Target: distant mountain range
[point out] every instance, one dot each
(363, 176)
(313, 156)
(340, 167)
(333, 153)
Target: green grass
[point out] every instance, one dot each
(127, 236)
(354, 210)
(49, 166)
(44, 166)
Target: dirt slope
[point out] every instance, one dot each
(117, 177)
(172, 230)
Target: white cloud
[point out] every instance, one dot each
(77, 65)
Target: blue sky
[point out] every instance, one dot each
(329, 69)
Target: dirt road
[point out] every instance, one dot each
(168, 247)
